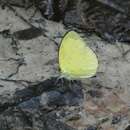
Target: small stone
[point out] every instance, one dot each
(116, 119)
(91, 128)
(128, 127)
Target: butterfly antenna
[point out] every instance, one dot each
(57, 80)
(70, 83)
(59, 77)
(62, 82)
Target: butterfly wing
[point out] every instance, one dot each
(76, 60)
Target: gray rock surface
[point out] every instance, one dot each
(26, 71)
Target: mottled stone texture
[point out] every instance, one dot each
(33, 97)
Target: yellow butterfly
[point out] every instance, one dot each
(76, 59)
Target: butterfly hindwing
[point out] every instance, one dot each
(76, 59)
